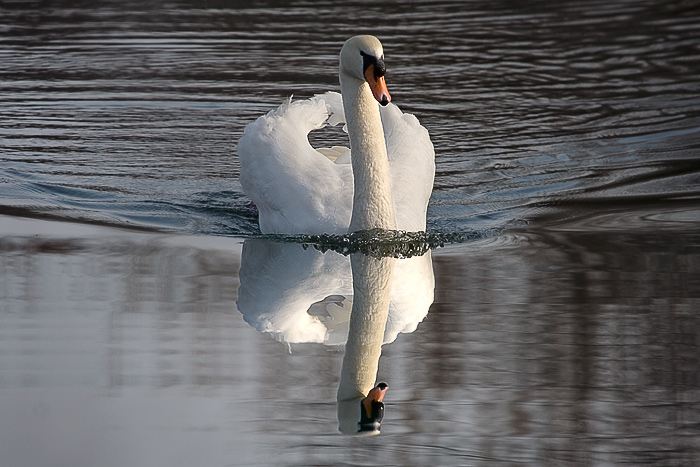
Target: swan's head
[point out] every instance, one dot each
(363, 416)
(362, 57)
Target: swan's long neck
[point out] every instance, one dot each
(373, 203)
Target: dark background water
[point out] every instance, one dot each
(130, 112)
(570, 338)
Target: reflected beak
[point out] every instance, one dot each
(373, 408)
(377, 85)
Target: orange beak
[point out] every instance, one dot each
(378, 86)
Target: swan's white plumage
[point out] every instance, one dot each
(299, 189)
(303, 295)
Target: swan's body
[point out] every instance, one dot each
(385, 181)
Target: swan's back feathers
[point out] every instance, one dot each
(412, 161)
(337, 154)
(334, 106)
(299, 189)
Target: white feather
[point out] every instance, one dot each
(298, 189)
(301, 190)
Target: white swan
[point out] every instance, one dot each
(303, 295)
(385, 181)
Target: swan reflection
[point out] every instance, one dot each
(305, 296)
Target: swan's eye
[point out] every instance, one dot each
(368, 60)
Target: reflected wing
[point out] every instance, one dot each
(304, 295)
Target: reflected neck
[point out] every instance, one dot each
(371, 293)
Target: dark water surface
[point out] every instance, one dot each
(130, 113)
(566, 332)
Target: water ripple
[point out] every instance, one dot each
(525, 104)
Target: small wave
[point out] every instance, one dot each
(380, 243)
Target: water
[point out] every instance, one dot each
(564, 327)
(130, 115)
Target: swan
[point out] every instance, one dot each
(383, 181)
(301, 295)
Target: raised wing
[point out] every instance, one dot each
(296, 188)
